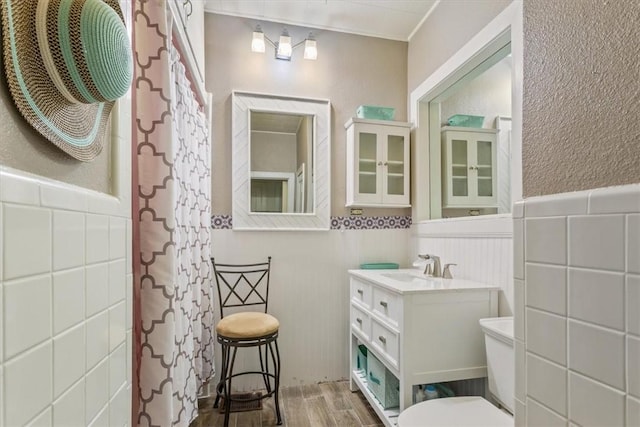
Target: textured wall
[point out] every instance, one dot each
(21, 147)
(581, 95)
(350, 70)
(449, 27)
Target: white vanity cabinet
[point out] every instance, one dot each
(469, 173)
(377, 163)
(423, 330)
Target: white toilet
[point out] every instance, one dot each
(474, 410)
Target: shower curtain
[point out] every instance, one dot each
(172, 226)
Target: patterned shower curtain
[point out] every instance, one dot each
(174, 289)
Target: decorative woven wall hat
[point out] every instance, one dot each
(66, 63)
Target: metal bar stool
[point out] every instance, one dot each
(246, 285)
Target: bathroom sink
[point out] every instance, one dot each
(406, 277)
(413, 280)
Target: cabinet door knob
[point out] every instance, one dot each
(382, 339)
(383, 303)
(379, 163)
(360, 291)
(359, 320)
(385, 163)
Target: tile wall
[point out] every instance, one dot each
(65, 298)
(66, 294)
(577, 317)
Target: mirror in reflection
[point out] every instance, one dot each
(281, 157)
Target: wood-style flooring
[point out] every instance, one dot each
(315, 405)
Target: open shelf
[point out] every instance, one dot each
(388, 416)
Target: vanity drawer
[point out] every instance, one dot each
(388, 305)
(361, 292)
(385, 341)
(361, 322)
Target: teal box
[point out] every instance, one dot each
(382, 383)
(374, 112)
(379, 266)
(466, 121)
(362, 358)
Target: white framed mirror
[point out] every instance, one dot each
(488, 48)
(281, 162)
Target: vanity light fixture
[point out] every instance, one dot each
(284, 47)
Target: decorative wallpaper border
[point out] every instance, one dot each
(225, 222)
(370, 222)
(221, 222)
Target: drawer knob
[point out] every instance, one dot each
(360, 291)
(359, 320)
(383, 303)
(382, 339)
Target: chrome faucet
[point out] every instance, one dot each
(433, 265)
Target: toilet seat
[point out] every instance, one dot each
(454, 411)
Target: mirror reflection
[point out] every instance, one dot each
(281, 158)
(474, 118)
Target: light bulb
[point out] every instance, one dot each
(310, 49)
(257, 42)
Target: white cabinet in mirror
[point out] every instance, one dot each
(281, 162)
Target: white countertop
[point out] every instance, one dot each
(411, 280)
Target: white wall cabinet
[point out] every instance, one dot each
(469, 173)
(422, 330)
(377, 163)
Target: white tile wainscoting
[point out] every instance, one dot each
(65, 293)
(577, 310)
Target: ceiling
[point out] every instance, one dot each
(389, 19)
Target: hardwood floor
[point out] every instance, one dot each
(314, 405)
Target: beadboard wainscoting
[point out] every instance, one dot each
(577, 317)
(309, 292)
(481, 247)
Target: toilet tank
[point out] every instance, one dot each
(498, 339)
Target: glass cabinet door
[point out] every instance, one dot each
(395, 165)
(367, 163)
(459, 168)
(484, 167)
(377, 163)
